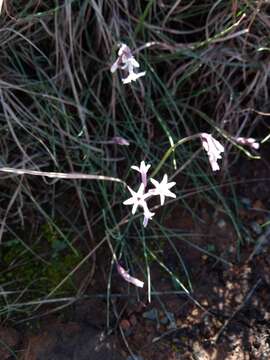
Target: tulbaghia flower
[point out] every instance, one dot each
(162, 189)
(127, 62)
(248, 142)
(137, 199)
(143, 169)
(140, 198)
(125, 275)
(213, 149)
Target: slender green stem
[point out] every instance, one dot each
(171, 150)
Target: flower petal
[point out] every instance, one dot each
(115, 66)
(133, 77)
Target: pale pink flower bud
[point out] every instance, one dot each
(143, 169)
(125, 275)
(118, 140)
(248, 142)
(147, 216)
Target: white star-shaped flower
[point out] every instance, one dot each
(137, 199)
(213, 149)
(162, 189)
(143, 169)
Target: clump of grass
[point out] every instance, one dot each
(207, 71)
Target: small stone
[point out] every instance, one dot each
(246, 202)
(231, 249)
(258, 205)
(205, 302)
(151, 315)
(164, 320)
(221, 224)
(171, 319)
(206, 320)
(256, 228)
(126, 327)
(168, 317)
(133, 320)
(239, 298)
(195, 312)
(229, 285)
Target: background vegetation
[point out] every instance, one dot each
(207, 66)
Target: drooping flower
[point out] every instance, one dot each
(213, 149)
(127, 62)
(125, 275)
(251, 142)
(124, 57)
(162, 189)
(143, 169)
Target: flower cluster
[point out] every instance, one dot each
(252, 143)
(127, 62)
(139, 198)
